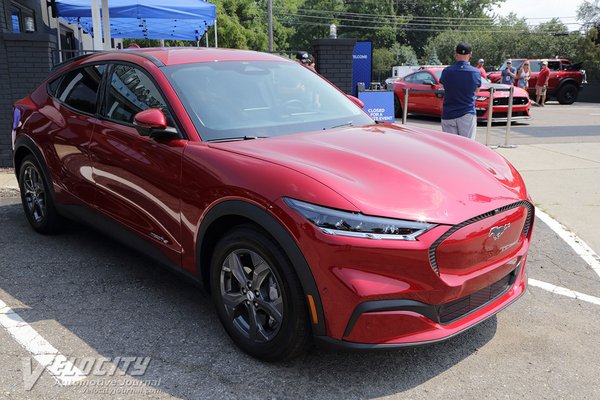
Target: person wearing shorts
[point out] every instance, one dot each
(461, 82)
(542, 84)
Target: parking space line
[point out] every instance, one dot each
(59, 367)
(564, 291)
(579, 246)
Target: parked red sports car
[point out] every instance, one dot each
(254, 176)
(426, 96)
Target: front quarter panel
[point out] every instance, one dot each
(211, 176)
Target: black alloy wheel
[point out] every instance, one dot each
(36, 198)
(567, 94)
(258, 296)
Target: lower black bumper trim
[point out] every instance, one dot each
(337, 344)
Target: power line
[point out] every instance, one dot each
(430, 29)
(426, 26)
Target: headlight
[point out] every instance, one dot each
(344, 223)
(481, 98)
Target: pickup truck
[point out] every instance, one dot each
(566, 79)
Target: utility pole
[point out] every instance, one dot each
(270, 12)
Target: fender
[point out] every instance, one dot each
(568, 81)
(273, 227)
(25, 142)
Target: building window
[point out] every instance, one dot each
(21, 18)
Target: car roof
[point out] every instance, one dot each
(161, 56)
(186, 55)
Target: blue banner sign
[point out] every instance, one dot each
(378, 104)
(362, 58)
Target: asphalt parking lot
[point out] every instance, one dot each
(92, 298)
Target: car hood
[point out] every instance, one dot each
(502, 90)
(396, 172)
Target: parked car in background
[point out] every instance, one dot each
(255, 177)
(426, 97)
(566, 79)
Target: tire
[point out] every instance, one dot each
(397, 107)
(258, 296)
(36, 198)
(567, 94)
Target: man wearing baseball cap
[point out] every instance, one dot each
(461, 82)
(541, 86)
(481, 69)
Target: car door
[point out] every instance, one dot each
(424, 100)
(138, 178)
(72, 111)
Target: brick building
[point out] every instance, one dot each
(28, 51)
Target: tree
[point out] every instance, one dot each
(589, 13)
(312, 21)
(433, 58)
(404, 55)
(383, 61)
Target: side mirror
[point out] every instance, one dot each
(151, 122)
(356, 101)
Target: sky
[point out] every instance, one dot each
(540, 11)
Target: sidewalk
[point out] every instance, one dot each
(8, 183)
(562, 179)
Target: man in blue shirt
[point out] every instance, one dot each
(461, 82)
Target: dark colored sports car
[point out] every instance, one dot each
(426, 97)
(257, 178)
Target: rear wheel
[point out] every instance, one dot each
(258, 296)
(36, 198)
(567, 94)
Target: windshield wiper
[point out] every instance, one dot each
(340, 125)
(230, 139)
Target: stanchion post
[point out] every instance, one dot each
(509, 119)
(490, 115)
(405, 106)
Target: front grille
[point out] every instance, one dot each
(505, 114)
(503, 101)
(459, 308)
(526, 227)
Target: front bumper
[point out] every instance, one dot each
(441, 333)
(407, 323)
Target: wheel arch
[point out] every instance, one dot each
(25, 146)
(228, 214)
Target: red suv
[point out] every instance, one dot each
(257, 178)
(564, 84)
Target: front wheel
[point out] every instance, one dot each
(567, 94)
(258, 296)
(397, 107)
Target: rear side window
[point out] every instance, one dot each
(79, 88)
(131, 91)
(53, 86)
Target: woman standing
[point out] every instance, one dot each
(523, 75)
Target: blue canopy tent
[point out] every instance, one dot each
(145, 19)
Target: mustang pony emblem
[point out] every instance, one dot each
(497, 231)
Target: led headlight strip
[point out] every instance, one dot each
(345, 223)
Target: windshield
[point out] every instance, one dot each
(259, 99)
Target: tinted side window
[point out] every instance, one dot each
(79, 88)
(554, 65)
(130, 92)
